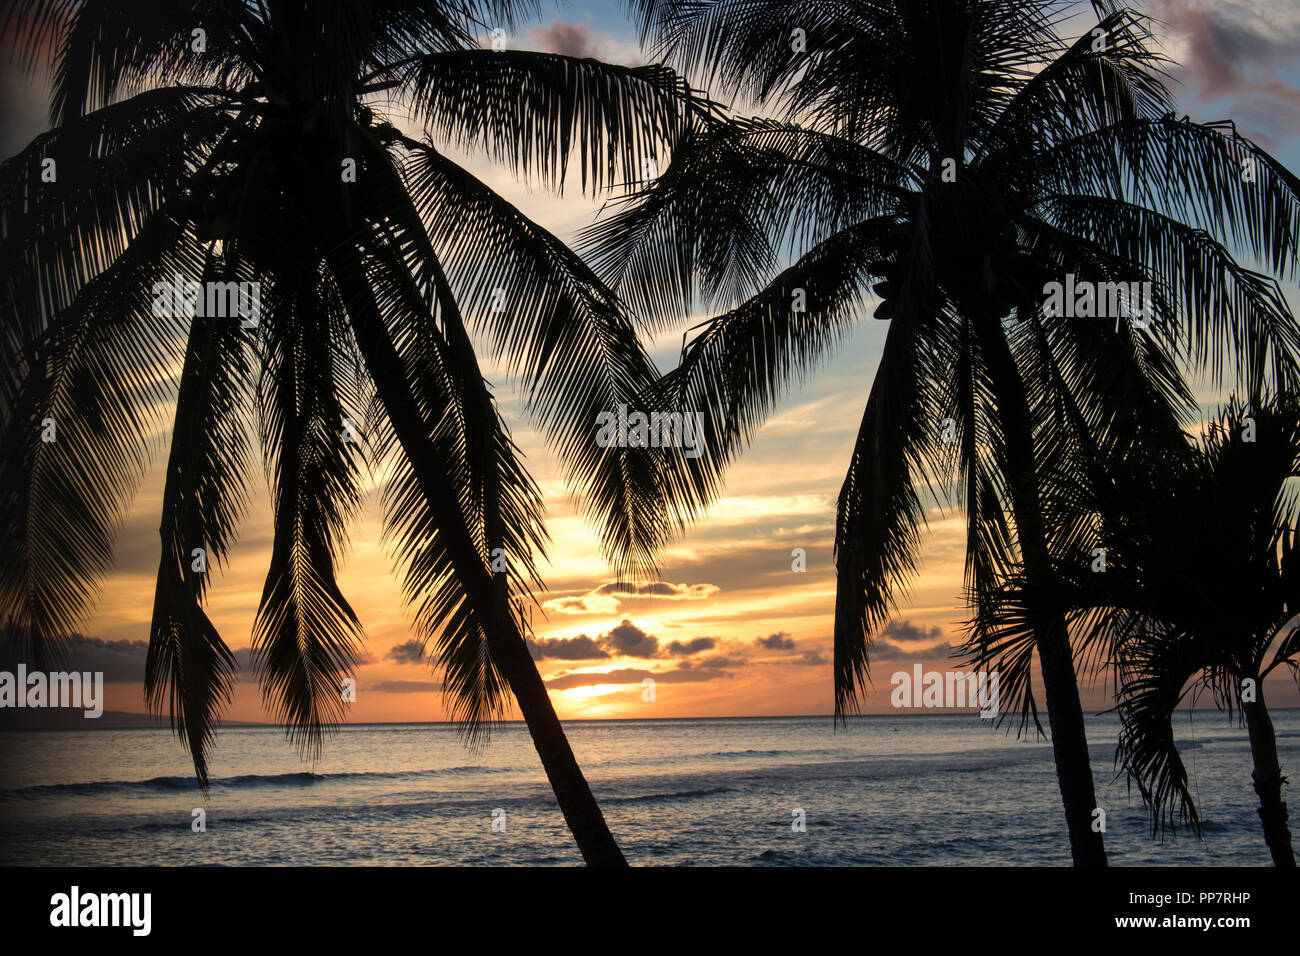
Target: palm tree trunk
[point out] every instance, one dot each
(1268, 779)
(1052, 636)
(581, 811)
(505, 642)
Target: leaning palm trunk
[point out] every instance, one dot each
(1052, 635)
(1267, 775)
(581, 812)
(487, 599)
(212, 159)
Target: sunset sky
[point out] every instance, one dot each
(729, 629)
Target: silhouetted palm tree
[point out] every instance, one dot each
(1201, 591)
(245, 141)
(954, 157)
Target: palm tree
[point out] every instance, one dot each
(246, 141)
(1201, 592)
(954, 157)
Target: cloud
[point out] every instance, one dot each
(634, 675)
(623, 640)
(580, 40)
(1229, 48)
(607, 598)
(580, 648)
(742, 568)
(885, 651)
(406, 687)
(906, 632)
(567, 39)
(686, 648)
(780, 641)
(815, 658)
(408, 652)
(121, 662)
(716, 663)
(896, 639)
(662, 589)
(630, 641)
(583, 604)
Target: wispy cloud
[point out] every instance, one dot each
(1239, 55)
(607, 598)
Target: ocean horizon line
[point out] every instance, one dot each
(162, 724)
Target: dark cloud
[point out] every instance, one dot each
(625, 640)
(718, 662)
(780, 641)
(408, 652)
(630, 641)
(406, 686)
(606, 598)
(885, 651)
(580, 648)
(1222, 45)
(567, 39)
(814, 658)
(662, 589)
(635, 675)
(905, 632)
(686, 648)
(630, 588)
(121, 662)
(754, 568)
(1234, 49)
(746, 568)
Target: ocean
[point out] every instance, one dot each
(885, 791)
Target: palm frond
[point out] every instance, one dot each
(306, 636)
(534, 111)
(189, 671)
(79, 430)
(736, 195)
